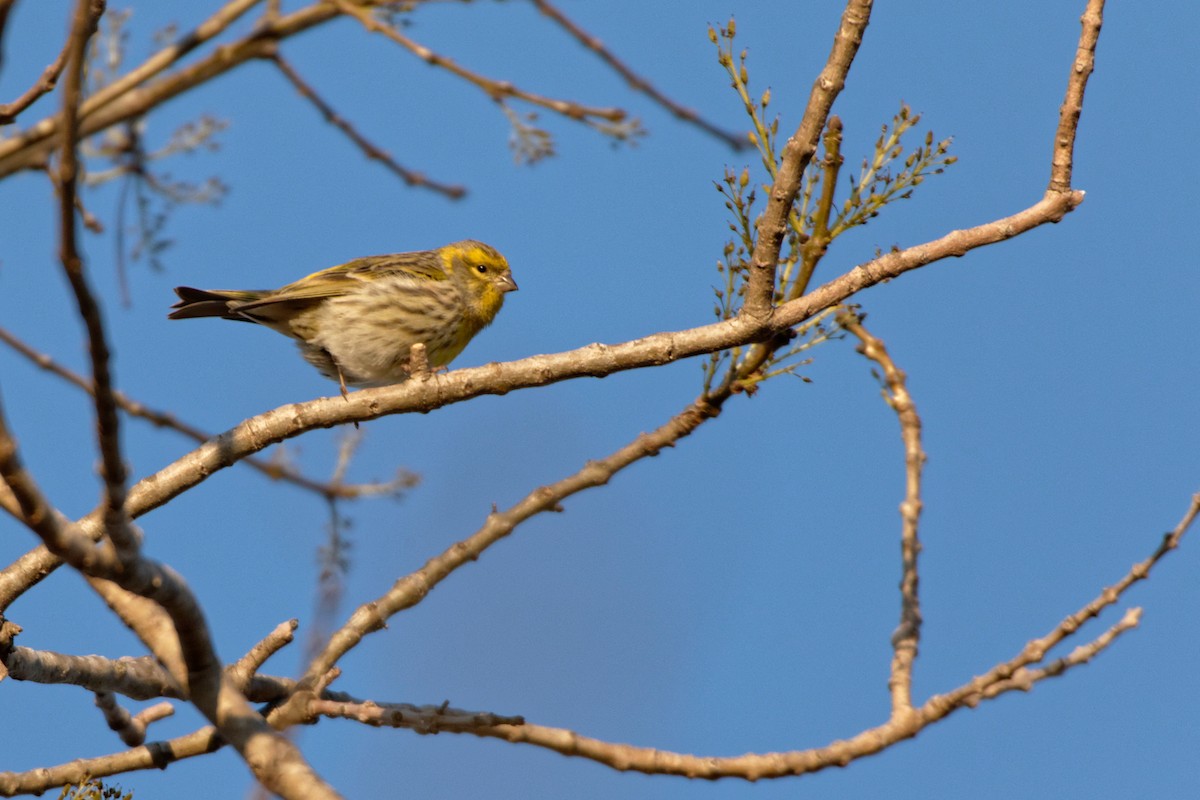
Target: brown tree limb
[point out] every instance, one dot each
(370, 150)
(907, 637)
(141, 678)
(639, 83)
(797, 153)
(5, 7)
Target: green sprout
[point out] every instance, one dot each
(815, 220)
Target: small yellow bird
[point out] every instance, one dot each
(357, 322)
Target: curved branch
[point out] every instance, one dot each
(908, 635)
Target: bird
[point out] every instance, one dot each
(357, 322)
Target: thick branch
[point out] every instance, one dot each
(797, 153)
(112, 464)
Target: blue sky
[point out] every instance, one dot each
(736, 593)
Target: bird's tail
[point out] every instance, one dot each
(195, 303)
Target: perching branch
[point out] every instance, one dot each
(595, 360)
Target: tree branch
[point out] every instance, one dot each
(1062, 161)
(797, 153)
(410, 177)
(43, 85)
(737, 141)
(908, 635)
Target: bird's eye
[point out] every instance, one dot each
(481, 269)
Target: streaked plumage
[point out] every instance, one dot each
(356, 322)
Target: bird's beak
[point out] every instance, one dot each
(506, 283)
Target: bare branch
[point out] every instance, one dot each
(908, 635)
(43, 85)
(494, 89)
(141, 678)
(248, 665)
(1024, 678)
(637, 82)
(797, 153)
(410, 177)
(1036, 650)
(1009, 676)
(5, 7)
(1068, 116)
(225, 16)
(112, 467)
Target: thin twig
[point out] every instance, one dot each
(43, 85)
(1035, 650)
(907, 637)
(494, 89)
(410, 177)
(737, 141)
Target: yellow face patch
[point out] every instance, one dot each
(472, 255)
